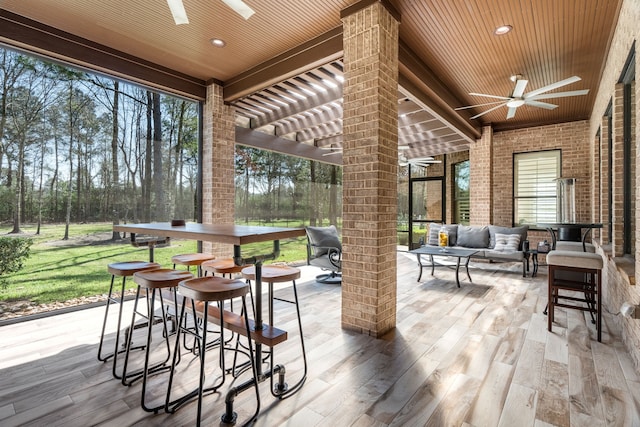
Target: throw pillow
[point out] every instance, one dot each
(325, 237)
(473, 237)
(493, 229)
(434, 229)
(507, 242)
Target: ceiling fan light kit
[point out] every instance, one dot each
(519, 98)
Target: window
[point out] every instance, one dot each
(461, 193)
(534, 186)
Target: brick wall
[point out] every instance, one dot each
(370, 164)
(571, 138)
(619, 278)
(481, 168)
(218, 181)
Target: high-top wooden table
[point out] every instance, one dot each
(237, 235)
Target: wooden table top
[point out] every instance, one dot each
(233, 234)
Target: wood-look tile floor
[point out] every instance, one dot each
(479, 355)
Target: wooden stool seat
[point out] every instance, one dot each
(128, 268)
(222, 266)
(212, 288)
(191, 259)
(273, 273)
(161, 278)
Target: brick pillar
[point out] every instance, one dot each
(218, 193)
(370, 165)
(617, 191)
(604, 181)
(481, 178)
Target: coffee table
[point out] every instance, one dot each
(432, 251)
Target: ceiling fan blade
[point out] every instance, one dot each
(489, 110)
(559, 94)
(519, 89)
(490, 96)
(178, 12)
(553, 86)
(240, 7)
(539, 104)
(480, 105)
(511, 113)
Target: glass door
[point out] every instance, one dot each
(426, 204)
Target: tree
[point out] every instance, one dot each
(13, 252)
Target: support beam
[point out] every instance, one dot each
(263, 141)
(419, 83)
(36, 38)
(319, 51)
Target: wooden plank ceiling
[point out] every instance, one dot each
(282, 68)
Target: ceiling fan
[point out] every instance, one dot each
(518, 98)
(180, 15)
(416, 161)
(402, 159)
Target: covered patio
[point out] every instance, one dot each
(393, 75)
(476, 355)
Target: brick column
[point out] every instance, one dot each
(370, 165)
(218, 193)
(481, 178)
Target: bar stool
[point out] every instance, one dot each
(191, 259)
(153, 282)
(578, 272)
(281, 274)
(120, 269)
(223, 266)
(200, 292)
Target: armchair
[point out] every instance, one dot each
(324, 250)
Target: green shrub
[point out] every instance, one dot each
(13, 252)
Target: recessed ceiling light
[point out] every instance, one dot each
(218, 42)
(503, 29)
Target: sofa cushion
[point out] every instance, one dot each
(473, 237)
(434, 230)
(494, 229)
(452, 230)
(500, 255)
(507, 242)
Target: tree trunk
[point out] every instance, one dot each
(147, 165)
(333, 196)
(158, 175)
(313, 202)
(115, 178)
(17, 209)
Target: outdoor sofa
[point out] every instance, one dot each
(493, 243)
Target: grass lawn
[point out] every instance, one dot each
(59, 270)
